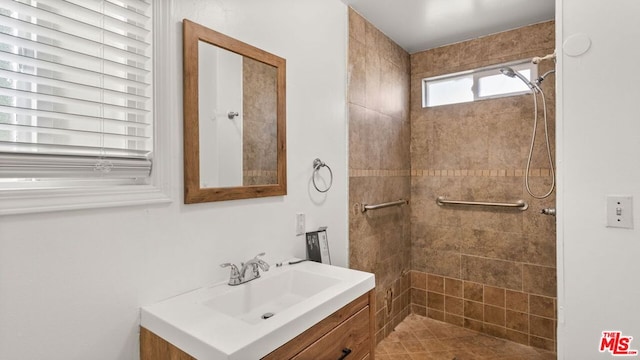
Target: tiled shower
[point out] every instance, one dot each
(379, 167)
(487, 270)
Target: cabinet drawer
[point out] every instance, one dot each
(352, 334)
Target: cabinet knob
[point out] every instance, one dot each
(345, 353)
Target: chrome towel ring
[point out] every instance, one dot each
(317, 165)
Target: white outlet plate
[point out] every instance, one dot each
(300, 224)
(620, 212)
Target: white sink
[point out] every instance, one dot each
(263, 298)
(226, 322)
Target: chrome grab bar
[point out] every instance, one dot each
(366, 207)
(520, 204)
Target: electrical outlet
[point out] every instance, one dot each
(301, 227)
(620, 212)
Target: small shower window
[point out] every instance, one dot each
(478, 84)
(449, 90)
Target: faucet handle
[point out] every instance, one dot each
(261, 254)
(261, 263)
(234, 277)
(234, 269)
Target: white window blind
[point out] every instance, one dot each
(75, 91)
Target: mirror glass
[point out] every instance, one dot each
(234, 118)
(237, 98)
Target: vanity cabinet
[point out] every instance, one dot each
(347, 334)
(153, 347)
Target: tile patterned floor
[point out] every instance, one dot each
(420, 338)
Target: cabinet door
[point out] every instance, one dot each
(153, 347)
(349, 340)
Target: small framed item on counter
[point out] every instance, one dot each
(318, 246)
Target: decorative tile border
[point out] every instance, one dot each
(450, 173)
(272, 173)
(381, 173)
(480, 173)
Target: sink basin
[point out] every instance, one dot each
(263, 298)
(250, 320)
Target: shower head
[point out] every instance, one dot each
(508, 71)
(511, 73)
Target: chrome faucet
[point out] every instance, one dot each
(238, 277)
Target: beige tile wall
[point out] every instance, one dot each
(259, 115)
(489, 270)
(379, 167)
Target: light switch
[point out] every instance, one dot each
(620, 212)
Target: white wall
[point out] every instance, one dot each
(71, 283)
(598, 155)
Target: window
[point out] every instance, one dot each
(476, 84)
(76, 109)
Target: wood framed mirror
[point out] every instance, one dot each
(234, 118)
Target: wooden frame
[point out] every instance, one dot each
(193, 193)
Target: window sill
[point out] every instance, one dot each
(37, 201)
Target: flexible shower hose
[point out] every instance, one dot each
(533, 140)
